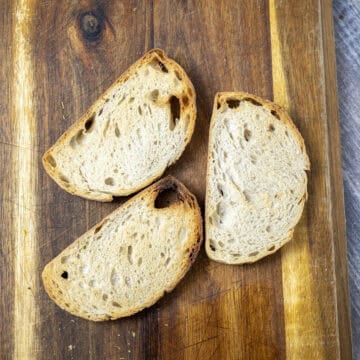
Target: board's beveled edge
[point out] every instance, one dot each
(336, 183)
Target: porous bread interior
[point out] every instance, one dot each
(127, 262)
(256, 184)
(131, 138)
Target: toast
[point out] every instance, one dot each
(132, 258)
(130, 135)
(256, 179)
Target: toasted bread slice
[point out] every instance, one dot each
(256, 179)
(130, 135)
(132, 258)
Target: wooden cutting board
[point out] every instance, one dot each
(56, 58)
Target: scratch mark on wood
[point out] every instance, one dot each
(206, 326)
(200, 342)
(22, 147)
(211, 296)
(214, 352)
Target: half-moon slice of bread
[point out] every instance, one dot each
(130, 135)
(256, 178)
(132, 258)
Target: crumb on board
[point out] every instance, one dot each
(71, 347)
(133, 333)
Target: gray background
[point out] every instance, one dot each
(347, 40)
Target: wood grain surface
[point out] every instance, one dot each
(56, 59)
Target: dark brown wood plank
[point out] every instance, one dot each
(232, 304)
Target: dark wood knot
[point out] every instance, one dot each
(91, 25)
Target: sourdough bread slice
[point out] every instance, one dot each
(256, 179)
(130, 135)
(132, 258)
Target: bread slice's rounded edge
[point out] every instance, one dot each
(80, 124)
(219, 101)
(98, 196)
(194, 245)
(250, 260)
